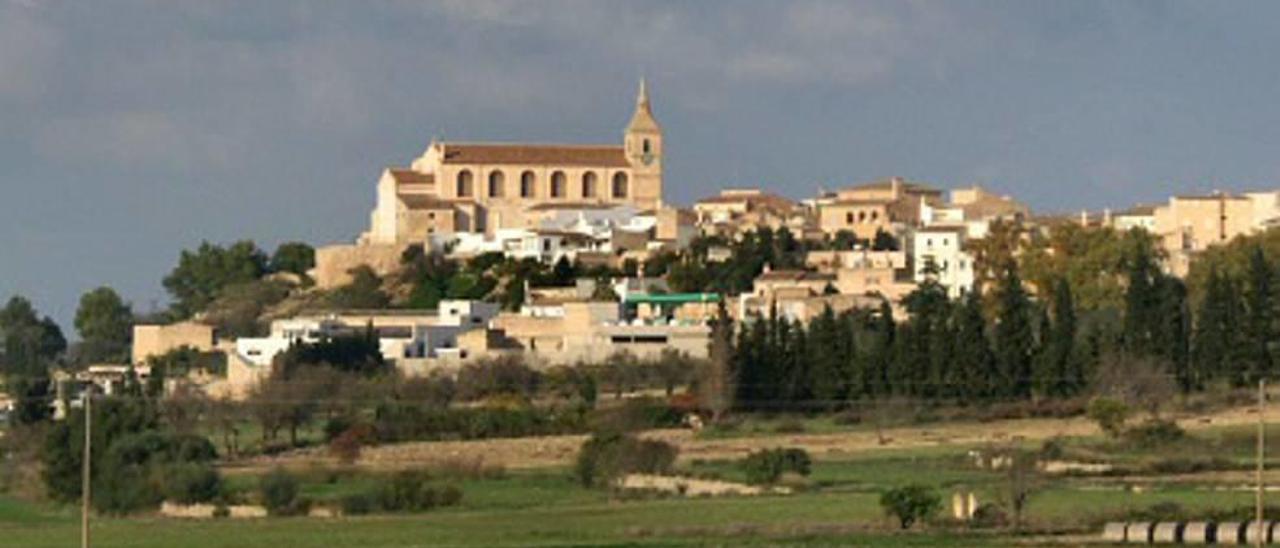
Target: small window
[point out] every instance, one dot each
(848, 218)
(527, 188)
(558, 184)
(619, 185)
(465, 184)
(589, 185)
(496, 180)
(646, 147)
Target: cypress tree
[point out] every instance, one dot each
(1173, 339)
(974, 373)
(1259, 323)
(1014, 339)
(1141, 298)
(1060, 373)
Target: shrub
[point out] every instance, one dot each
(1109, 414)
(346, 446)
(357, 504)
(910, 504)
(279, 491)
(605, 457)
(191, 483)
(768, 465)
(790, 426)
(450, 495)
(989, 516)
(407, 491)
(1155, 433)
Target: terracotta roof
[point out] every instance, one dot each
(543, 155)
(404, 176)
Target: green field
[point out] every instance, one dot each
(545, 507)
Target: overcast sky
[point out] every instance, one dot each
(132, 130)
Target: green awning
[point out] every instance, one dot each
(672, 298)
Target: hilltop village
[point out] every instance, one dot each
(617, 257)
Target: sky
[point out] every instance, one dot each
(132, 130)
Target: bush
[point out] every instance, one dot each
(1155, 433)
(407, 491)
(910, 504)
(768, 465)
(790, 426)
(191, 483)
(346, 446)
(605, 457)
(1109, 414)
(989, 516)
(357, 504)
(279, 491)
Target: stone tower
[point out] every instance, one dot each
(643, 147)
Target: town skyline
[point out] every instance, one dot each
(851, 102)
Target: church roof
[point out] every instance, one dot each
(549, 155)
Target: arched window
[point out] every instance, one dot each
(862, 216)
(589, 184)
(496, 179)
(645, 147)
(619, 185)
(848, 218)
(527, 188)
(464, 183)
(557, 184)
(875, 215)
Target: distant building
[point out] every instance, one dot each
(887, 205)
(943, 248)
(1189, 224)
(975, 209)
(156, 340)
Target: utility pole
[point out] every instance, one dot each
(1262, 407)
(84, 475)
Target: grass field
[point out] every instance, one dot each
(838, 506)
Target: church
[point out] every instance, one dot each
(481, 188)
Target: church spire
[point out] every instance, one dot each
(642, 120)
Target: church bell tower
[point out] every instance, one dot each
(642, 142)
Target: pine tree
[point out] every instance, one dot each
(1014, 339)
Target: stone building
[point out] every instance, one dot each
(484, 187)
(865, 209)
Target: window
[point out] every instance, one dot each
(431, 216)
(848, 218)
(862, 216)
(619, 185)
(589, 185)
(557, 184)
(495, 184)
(464, 184)
(527, 188)
(645, 147)
(875, 215)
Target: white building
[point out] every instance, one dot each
(943, 246)
(411, 337)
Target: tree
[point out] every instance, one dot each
(1021, 481)
(715, 379)
(1014, 338)
(1259, 321)
(293, 257)
(1059, 373)
(201, 275)
(363, 292)
(910, 504)
(105, 324)
(1142, 299)
(1110, 414)
(31, 344)
(974, 371)
(1216, 333)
